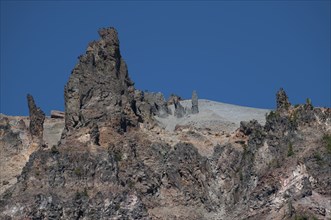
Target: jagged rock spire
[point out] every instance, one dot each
(37, 118)
(157, 104)
(99, 89)
(282, 100)
(179, 109)
(195, 107)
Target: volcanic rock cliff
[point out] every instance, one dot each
(114, 160)
(99, 91)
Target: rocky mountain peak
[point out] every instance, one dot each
(282, 100)
(99, 90)
(210, 164)
(109, 35)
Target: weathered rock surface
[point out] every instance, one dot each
(37, 118)
(248, 127)
(195, 103)
(179, 109)
(107, 167)
(132, 175)
(11, 145)
(282, 100)
(99, 90)
(53, 128)
(158, 104)
(172, 98)
(17, 144)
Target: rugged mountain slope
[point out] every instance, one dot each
(17, 144)
(117, 159)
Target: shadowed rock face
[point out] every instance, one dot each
(37, 118)
(99, 89)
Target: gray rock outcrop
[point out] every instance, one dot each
(195, 103)
(157, 104)
(179, 109)
(37, 118)
(248, 127)
(172, 98)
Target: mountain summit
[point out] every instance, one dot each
(121, 153)
(99, 90)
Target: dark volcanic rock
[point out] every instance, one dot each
(248, 127)
(37, 118)
(142, 108)
(73, 184)
(190, 173)
(99, 89)
(195, 107)
(282, 100)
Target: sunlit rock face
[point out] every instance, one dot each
(99, 90)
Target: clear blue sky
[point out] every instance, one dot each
(237, 52)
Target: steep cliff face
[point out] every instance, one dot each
(14, 143)
(278, 175)
(115, 162)
(21, 136)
